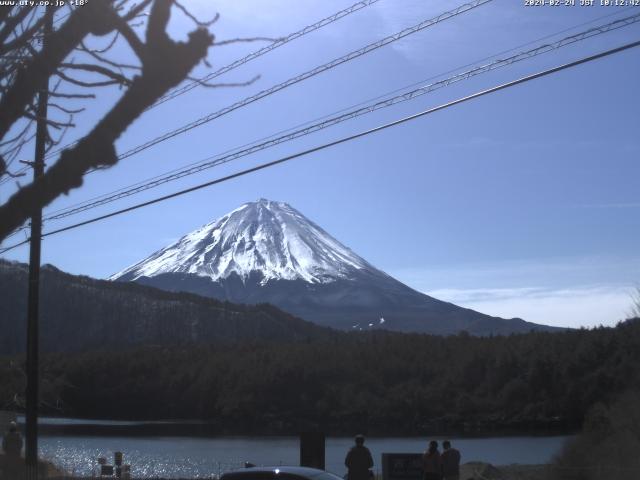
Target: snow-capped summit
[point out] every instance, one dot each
(268, 237)
(268, 252)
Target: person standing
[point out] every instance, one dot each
(432, 463)
(12, 442)
(358, 461)
(12, 447)
(450, 462)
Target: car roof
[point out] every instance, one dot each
(278, 469)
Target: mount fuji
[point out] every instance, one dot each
(268, 252)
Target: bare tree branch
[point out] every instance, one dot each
(4, 13)
(136, 10)
(82, 83)
(199, 23)
(15, 175)
(635, 304)
(71, 95)
(111, 43)
(24, 37)
(66, 110)
(48, 121)
(13, 152)
(244, 40)
(16, 137)
(132, 39)
(90, 18)
(88, 67)
(96, 54)
(219, 85)
(12, 22)
(165, 64)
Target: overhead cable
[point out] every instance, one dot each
(272, 46)
(303, 153)
(251, 56)
(306, 75)
(7, 178)
(214, 161)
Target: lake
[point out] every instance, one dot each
(175, 457)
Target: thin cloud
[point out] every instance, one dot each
(610, 205)
(583, 306)
(396, 17)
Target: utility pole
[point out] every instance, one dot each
(33, 346)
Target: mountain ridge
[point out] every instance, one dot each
(269, 252)
(268, 236)
(82, 313)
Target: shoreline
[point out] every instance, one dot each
(468, 471)
(210, 431)
(52, 426)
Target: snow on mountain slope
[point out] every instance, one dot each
(268, 252)
(264, 236)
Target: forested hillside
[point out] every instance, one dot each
(81, 313)
(612, 432)
(376, 382)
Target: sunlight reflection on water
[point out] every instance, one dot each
(196, 457)
(80, 457)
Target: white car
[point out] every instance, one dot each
(279, 473)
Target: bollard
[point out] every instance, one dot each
(117, 461)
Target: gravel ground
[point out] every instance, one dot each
(485, 471)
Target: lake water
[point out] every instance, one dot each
(175, 457)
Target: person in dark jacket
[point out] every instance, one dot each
(431, 462)
(12, 447)
(358, 460)
(12, 442)
(450, 462)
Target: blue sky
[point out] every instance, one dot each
(522, 203)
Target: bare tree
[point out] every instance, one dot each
(635, 304)
(65, 59)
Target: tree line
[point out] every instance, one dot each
(375, 382)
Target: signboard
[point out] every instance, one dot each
(106, 470)
(402, 466)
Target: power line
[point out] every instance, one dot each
(258, 53)
(24, 169)
(306, 75)
(216, 160)
(127, 191)
(21, 171)
(251, 56)
(355, 7)
(273, 163)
